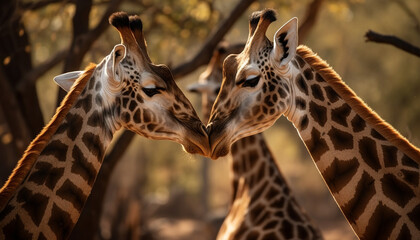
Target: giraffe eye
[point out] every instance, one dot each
(151, 91)
(251, 81)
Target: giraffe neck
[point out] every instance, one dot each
(373, 180)
(272, 209)
(50, 199)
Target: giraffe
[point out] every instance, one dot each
(370, 169)
(274, 215)
(45, 194)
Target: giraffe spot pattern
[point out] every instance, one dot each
(60, 222)
(57, 149)
(82, 166)
(42, 236)
(318, 78)
(331, 94)
(339, 173)
(414, 216)
(358, 124)
(316, 145)
(292, 213)
(46, 174)
(15, 230)
(317, 92)
(396, 190)
(304, 122)
(252, 235)
(84, 103)
(377, 135)
(302, 84)
(34, 204)
(300, 103)
(341, 140)
(257, 194)
(98, 86)
(411, 177)
(91, 82)
(390, 155)
(256, 211)
(95, 120)
(132, 106)
(381, 223)
(99, 100)
(365, 190)
(318, 113)
(270, 225)
(369, 153)
(300, 61)
(302, 233)
(74, 125)
(272, 193)
(6, 210)
(340, 114)
(70, 192)
(286, 230)
(308, 74)
(404, 233)
(137, 116)
(94, 145)
(409, 162)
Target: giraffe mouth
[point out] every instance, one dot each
(196, 148)
(221, 149)
(218, 144)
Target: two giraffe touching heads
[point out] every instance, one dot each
(371, 170)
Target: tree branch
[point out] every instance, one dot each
(310, 18)
(204, 54)
(35, 5)
(410, 13)
(32, 76)
(13, 114)
(372, 36)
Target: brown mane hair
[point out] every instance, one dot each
(371, 117)
(38, 144)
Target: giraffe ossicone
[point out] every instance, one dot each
(47, 190)
(371, 170)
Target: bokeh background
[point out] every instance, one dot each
(154, 190)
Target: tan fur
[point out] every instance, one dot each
(38, 144)
(371, 117)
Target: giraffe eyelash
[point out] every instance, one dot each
(251, 82)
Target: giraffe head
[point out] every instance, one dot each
(255, 90)
(141, 96)
(209, 82)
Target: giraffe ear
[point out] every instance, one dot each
(116, 56)
(285, 42)
(66, 80)
(197, 87)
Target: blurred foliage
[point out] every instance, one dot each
(386, 78)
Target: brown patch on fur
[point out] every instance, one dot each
(38, 144)
(371, 117)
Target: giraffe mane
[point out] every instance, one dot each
(31, 153)
(357, 104)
